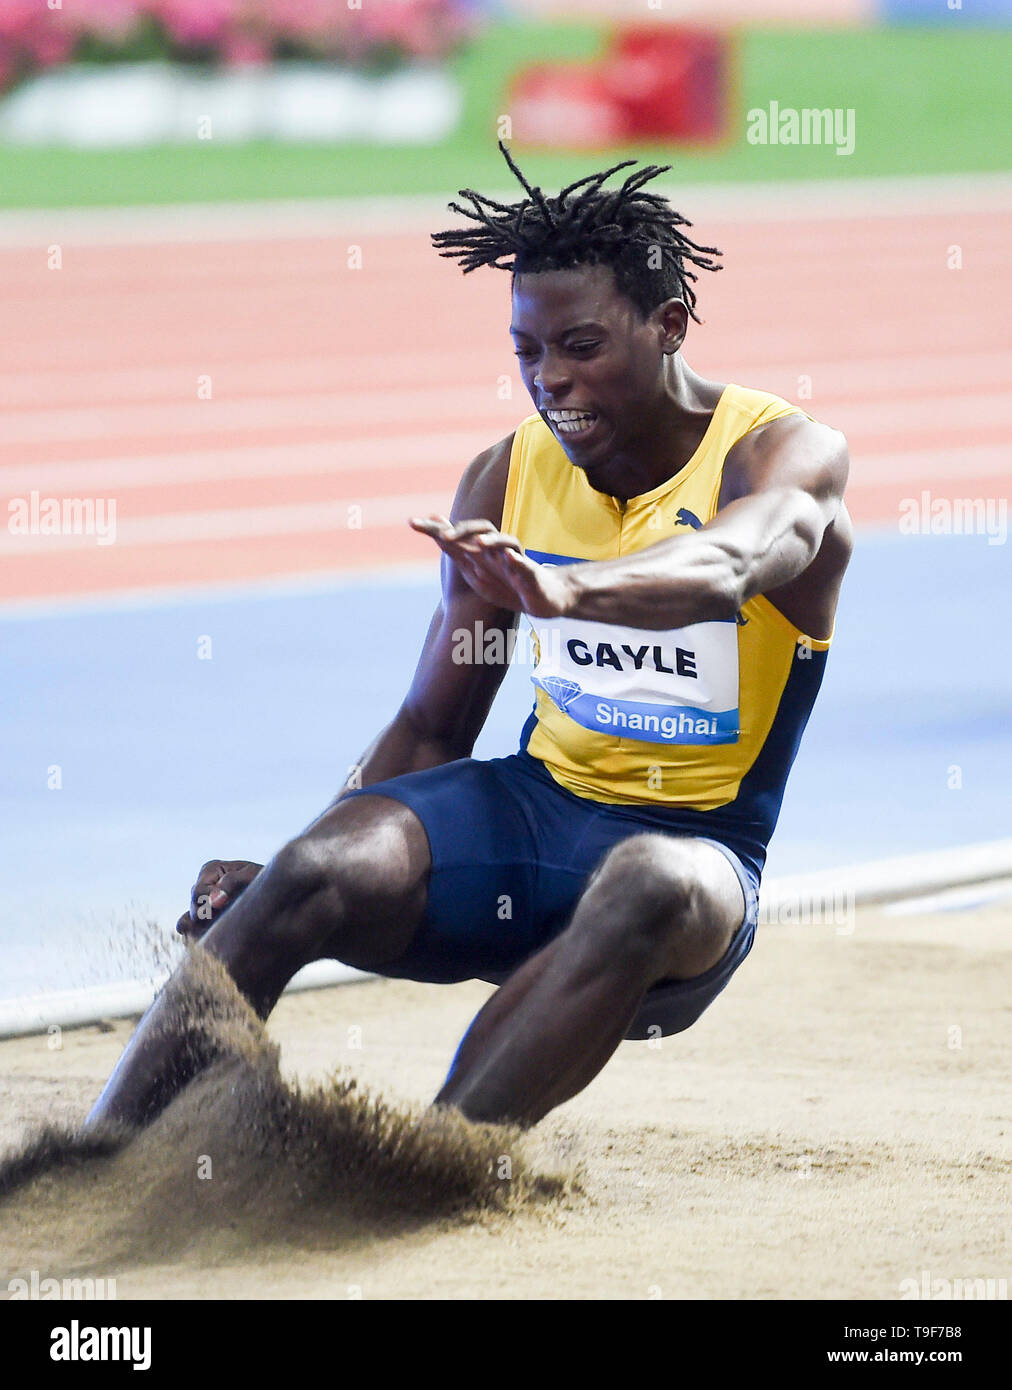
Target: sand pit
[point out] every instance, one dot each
(835, 1125)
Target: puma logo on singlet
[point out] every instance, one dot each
(683, 517)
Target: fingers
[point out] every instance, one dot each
(201, 904)
(436, 522)
(443, 530)
(438, 527)
(208, 888)
(469, 530)
(489, 560)
(192, 930)
(468, 540)
(232, 884)
(219, 883)
(499, 541)
(429, 526)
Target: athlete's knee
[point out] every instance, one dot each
(364, 848)
(360, 871)
(301, 869)
(653, 907)
(657, 879)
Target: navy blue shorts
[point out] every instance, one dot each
(512, 852)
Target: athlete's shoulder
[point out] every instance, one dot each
(784, 446)
(755, 406)
(482, 489)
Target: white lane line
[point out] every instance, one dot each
(440, 404)
(774, 201)
(236, 377)
(296, 585)
(391, 452)
(784, 901)
(403, 453)
(883, 881)
(342, 516)
(933, 411)
(258, 412)
(948, 466)
(953, 899)
(836, 377)
(76, 1008)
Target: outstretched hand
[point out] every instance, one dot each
(219, 883)
(496, 567)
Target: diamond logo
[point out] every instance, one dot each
(561, 692)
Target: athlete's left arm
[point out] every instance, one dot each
(783, 487)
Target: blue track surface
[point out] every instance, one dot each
(167, 760)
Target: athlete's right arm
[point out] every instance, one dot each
(446, 706)
(453, 688)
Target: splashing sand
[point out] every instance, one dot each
(243, 1155)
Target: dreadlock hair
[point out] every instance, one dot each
(635, 233)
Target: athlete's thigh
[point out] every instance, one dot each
(478, 919)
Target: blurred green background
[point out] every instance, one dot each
(927, 101)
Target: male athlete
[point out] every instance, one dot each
(678, 547)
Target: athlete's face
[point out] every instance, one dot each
(594, 367)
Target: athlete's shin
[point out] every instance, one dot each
(175, 1041)
(546, 1033)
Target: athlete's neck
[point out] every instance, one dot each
(660, 442)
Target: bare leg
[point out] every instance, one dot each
(658, 909)
(354, 885)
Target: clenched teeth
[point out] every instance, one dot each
(571, 421)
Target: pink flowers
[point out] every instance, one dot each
(29, 38)
(33, 36)
(196, 23)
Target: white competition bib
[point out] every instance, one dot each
(678, 686)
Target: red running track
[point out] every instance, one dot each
(342, 400)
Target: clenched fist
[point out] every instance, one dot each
(218, 884)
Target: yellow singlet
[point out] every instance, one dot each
(700, 718)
